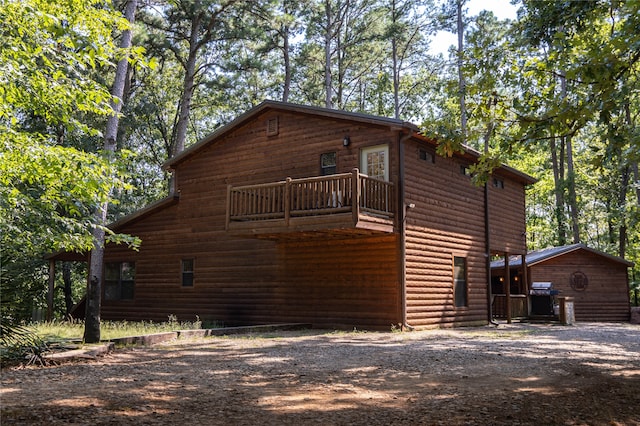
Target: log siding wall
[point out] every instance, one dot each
(326, 281)
(446, 221)
(606, 297)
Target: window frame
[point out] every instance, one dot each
(124, 285)
(187, 276)
(460, 285)
(364, 164)
(326, 170)
(426, 155)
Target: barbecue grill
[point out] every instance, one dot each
(542, 298)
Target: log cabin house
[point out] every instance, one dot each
(596, 282)
(299, 214)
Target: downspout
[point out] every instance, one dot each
(402, 216)
(487, 238)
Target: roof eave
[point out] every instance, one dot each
(284, 106)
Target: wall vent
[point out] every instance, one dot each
(272, 126)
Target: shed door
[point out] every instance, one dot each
(374, 162)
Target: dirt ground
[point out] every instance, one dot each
(519, 374)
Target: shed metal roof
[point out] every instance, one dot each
(539, 256)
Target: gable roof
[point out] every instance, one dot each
(538, 256)
(285, 106)
(392, 123)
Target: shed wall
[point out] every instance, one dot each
(606, 297)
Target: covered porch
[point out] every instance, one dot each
(509, 287)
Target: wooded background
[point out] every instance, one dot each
(553, 93)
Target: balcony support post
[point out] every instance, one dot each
(355, 195)
(229, 206)
(287, 201)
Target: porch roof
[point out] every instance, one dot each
(539, 256)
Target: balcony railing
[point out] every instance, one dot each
(324, 195)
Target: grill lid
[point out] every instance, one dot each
(541, 288)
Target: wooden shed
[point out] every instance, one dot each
(597, 281)
(293, 213)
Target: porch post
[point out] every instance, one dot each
(507, 280)
(52, 281)
(355, 195)
(228, 217)
(287, 201)
(525, 278)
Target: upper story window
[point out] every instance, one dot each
(374, 162)
(498, 183)
(465, 170)
(119, 280)
(328, 163)
(427, 156)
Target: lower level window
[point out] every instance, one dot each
(187, 272)
(460, 281)
(119, 279)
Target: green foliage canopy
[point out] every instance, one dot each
(48, 55)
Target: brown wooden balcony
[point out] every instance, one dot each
(342, 203)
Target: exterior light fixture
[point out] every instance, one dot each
(346, 141)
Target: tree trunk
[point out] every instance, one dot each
(286, 56)
(567, 143)
(95, 275)
(396, 71)
(66, 279)
(327, 54)
(622, 201)
(634, 164)
(462, 85)
(558, 180)
(188, 86)
(636, 178)
(571, 191)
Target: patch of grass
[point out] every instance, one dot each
(59, 331)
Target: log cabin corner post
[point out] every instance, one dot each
(487, 242)
(402, 227)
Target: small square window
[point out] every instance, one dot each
(328, 163)
(465, 170)
(187, 272)
(427, 156)
(498, 183)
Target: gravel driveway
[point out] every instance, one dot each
(519, 374)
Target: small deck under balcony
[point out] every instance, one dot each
(349, 203)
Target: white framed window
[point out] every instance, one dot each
(374, 162)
